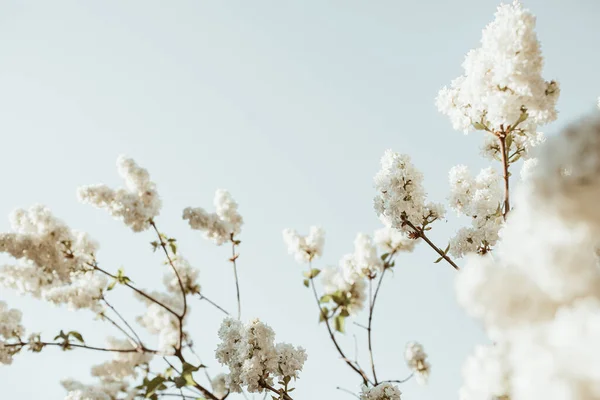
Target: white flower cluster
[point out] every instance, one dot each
(252, 356)
(416, 359)
(54, 260)
(220, 226)
(123, 364)
(135, 205)
(539, 295)
(187, 274)
(502, 82)
(479, 198)
(352, 293)
(305, 248)
(159, 321)
(401, 196)
(383, 391)
(11, 331)
(364, 262)
(103, 391)
(390, 240)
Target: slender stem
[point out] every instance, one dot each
(84, 346)
(272, 389)
(138, 291)
(237, 282)
(348, 391)
(372, 300)
(422, 235)
(124, 321)
(400, 380)
(204, 390)
(131, 338)
(505, 162)
(163, 245)
(359, 371)
(203, 297)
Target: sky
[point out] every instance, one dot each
(289, 106)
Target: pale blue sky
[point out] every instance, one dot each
(289, 105)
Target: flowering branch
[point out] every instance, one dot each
(420, 233)
(233, 259)
(358, 370)
(67, 345)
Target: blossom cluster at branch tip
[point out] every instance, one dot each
(136, 204)
(253, 358)
(401, 198)
(305, 248)
(538, 296)
(188, 275)
(220, 226)
(383, 391)
(11, 331)
(479, 198)
(502, 85)
(416, 359)
(53, 261)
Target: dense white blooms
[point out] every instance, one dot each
(305, 248)
(135, 205)
(187, 274)
(383, 391)
(10, 331)
(502, 82)
(539, 294)
(364, 262)
(353, 293)
(416, 359)
(527, 168)
(391, 240)
(400, 194)
(252, 356)
(220, 226)
(123, 364)
(159, 321)
(53, 260)
(219, 385)
(479, 198)
(111, 390)
(290, 360)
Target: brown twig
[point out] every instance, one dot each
(503, 150)
(422, 235)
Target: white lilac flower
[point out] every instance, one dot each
(383, 391)
(393, 240)
(53, 261)
(221, 226)
(109, 390)
(136, 204)
(187, 274)
(10, 332)
(538, 295)
(400, 194)
(502, 80)
(480, 199)
(353, 293)
(252, 356)
(416, 359)
(305, 248)
(219, 385)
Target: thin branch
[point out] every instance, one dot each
(272, 389)
(124, 321)
(372, 300)
(359, 371)
(83, 346)
(131, 338)
(422, 235)
(170, 260)
(218, 307)
(348, 391)
(400, 380)
(503, 150)
(138, 291)
(237, 282)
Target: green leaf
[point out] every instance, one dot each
(111, 286)
(154, 385)
(384, 256)
(173, 247)
(313, 273)
(339, 323)
(305, 282)
(77, 336)
(325, 298)
(323, 314)
(479, 126)
(438, 260)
